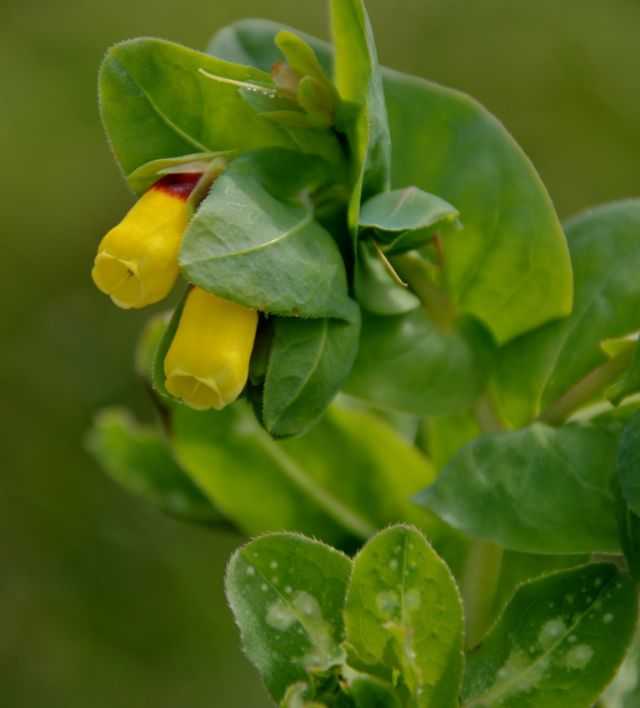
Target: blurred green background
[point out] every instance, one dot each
(103, 602)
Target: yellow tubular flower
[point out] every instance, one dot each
(137, 261)
(207, 364)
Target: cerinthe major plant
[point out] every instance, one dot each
(346, 228)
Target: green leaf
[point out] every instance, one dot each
(629, 464)
(558, 642)
(156, 104)
(537, 490)
(404, 219)
(287, 594)
(403, 605)
(535, 370)
(509, 266)
(254, 239)
(407, 363)
(348, 476)
(359, 81)
(138, 458)
(309, 361)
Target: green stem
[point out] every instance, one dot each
(479, 587)
(415, 272)
(587, 388)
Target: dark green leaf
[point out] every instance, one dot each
(309, 361)
(537, 490)
(339, 482)
(156, 104)
(538, 368)
(254, 239)
(557, 644)
(139, 459)
(287, 594)
(407, 363)
(403, 610)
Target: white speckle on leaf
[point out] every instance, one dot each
(607, 618)
(388, 603)
(274, 579)
(573, 638)
(551, 631)
(412, 600)
(288, 589)
(569, 598)
(598, 582)
(251, 570)
(264, 587)
(280, 615)
(273, 565)
(393, 564)
(578, 657)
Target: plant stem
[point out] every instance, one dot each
(415, 272)
(479, 586)
(587, 388)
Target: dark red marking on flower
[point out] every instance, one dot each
(179, 185)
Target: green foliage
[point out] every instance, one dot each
(254, 239)
(385, 630)
(403, 611)
(400, 247)
(287, 594)
(538, 490)
(538, 368)
(308, 363)
(558, 642)
(139, 459)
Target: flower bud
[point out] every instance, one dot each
(137, 261)
(207, 364)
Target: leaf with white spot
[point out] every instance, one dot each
(287, 594)
(558, 643)
(403, 610)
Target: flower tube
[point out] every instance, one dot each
(137, 261)
(207, 363)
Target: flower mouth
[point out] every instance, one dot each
(119, 279)
(200, 394)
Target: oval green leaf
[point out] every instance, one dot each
(403, 610)
(537, 490)
(558, 643)
(155, 103)
(308, 363)
(254, 239)
(287, 594)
